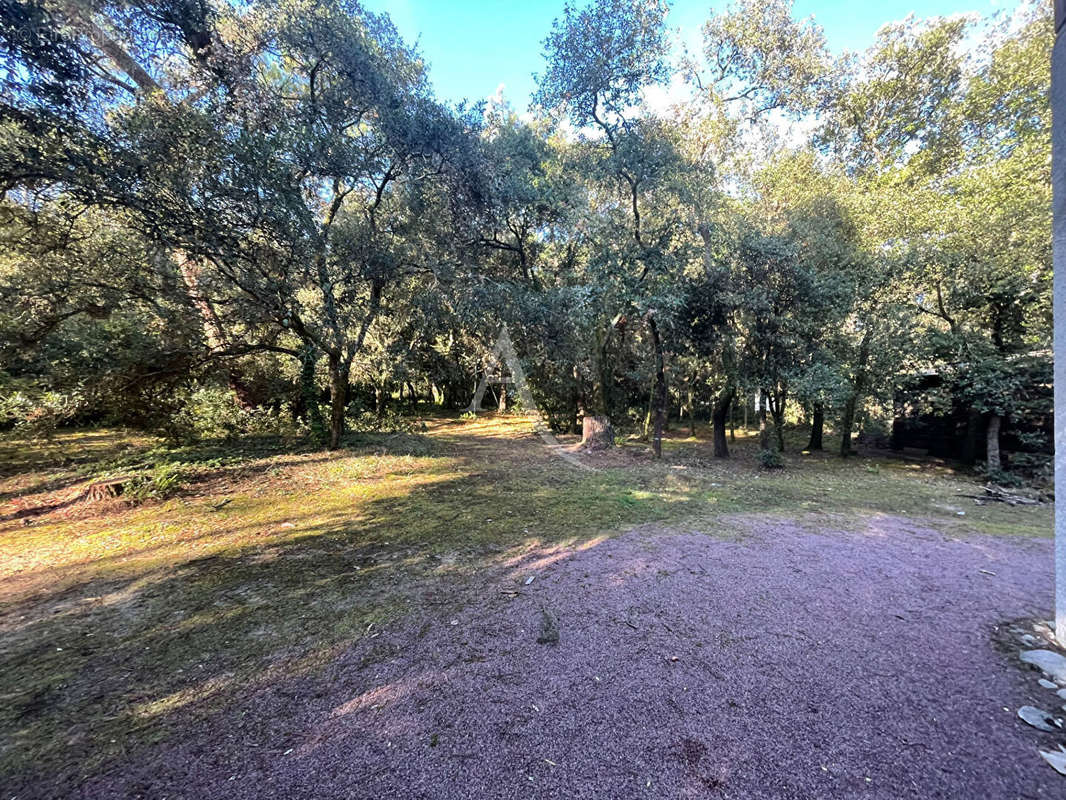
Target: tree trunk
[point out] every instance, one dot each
(817, 427)
(692, 406)
(645, 433)
(846, 422)
(379, 399)
(596, 433)
(858, 386)
(777, 409)
(722, 404)
(995, 462)
(501, 406)
(338, 399)
(660, 387)
(732, 422)
(764, 431)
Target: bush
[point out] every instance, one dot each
(770, 459)
(157, 484)
(214, 413)
(369, 422)
(35, 417)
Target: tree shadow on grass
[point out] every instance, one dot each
(139, 641)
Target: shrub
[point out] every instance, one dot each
(770, 459)
(214, 413)
(36, 417)
(158, 483)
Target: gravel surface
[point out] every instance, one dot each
(788, 662)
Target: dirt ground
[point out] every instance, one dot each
(784, 662)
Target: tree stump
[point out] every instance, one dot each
(596, 433)
(106, 489)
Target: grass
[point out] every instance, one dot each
(121, 622)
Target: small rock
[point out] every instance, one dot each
(1048, 684)
(1028, 638)
(1049, 661)
(1062, 693)
(1056, 758)
(1039, 719)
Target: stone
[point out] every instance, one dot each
(1039, 719)
(1048, 684)
(1062, 693)
(1048, 661)
(1056, 758)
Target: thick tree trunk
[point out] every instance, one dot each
(338, 400)
(722, 404)
(660, 387)
(596, 433)
(995, 462)
(817, 427)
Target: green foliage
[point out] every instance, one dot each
(770, 459)
(267, 196)
(212, 413)
(158, 483)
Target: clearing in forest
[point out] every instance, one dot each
(368, 621)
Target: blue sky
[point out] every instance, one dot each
(473, 46)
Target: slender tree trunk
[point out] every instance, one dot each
(660, 387)
(576, 403)
(995, 462)
(733, 421)
(692, 407)
(846, 423)
(645, 434)
(722, 405)
(746, 429)
(778, 412)
(852, 404)
(501, 406)
(338, 391)
(764, 431)
(817, 427)
(380, 396)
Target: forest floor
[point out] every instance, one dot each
(365, 623)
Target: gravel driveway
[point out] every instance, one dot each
(784, 661)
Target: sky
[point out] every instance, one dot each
(473, 46)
